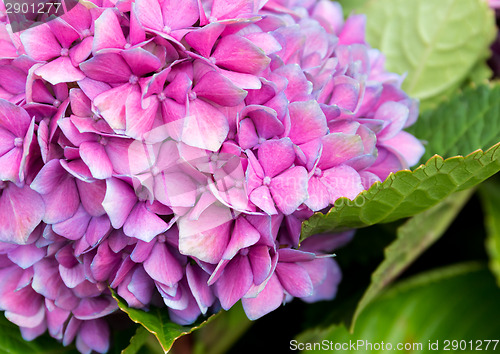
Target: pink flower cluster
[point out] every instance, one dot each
(171, 150)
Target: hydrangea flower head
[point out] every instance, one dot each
(172, 149)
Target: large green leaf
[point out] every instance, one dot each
(407, 193)
(437, 43)
(11, 342)
(490, 196)
(157, 322)
(456, 303)
(414, 237)
(469, 120)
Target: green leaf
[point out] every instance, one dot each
(141, 339)
(468, 121)
(414, 237)
(407, 193)
(490, 196)
(455, 303)
(437, 43)
(222, 333)
(11, 341)
(157, 322)
(349, 6)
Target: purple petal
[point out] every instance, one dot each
(260, 260)
(197, 280)
(118, 193)
(243, 236)
(74, 227)
(162, 266)
(95, 334)
(26, 256)
(294, 279)
(143, 224)
(234, 282)
(21, 210)
(269, 299)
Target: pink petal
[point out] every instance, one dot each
(338, 148)
(205, 127)
(162, 266)
(107, 67)
(149, 14)
(203, 39)
(244, 235)
(40, 43)
(229, 9)
(234, 282)
(261, 197)
(60, 70)
(342, 181)
(275, 156)
(143, 224)
(140, 61)
(239, 54)
(216, 88)
(95, 157)
(180, 14)
(319, 198)
(294, 279)
(289, 189)
(107, 32)
(307, 120)
(118, 193)
(407, 145)
(269, 299)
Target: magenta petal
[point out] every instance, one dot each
(107, 32)
(247, 136)
(294, 279)
(95, 157)
(118, 193)
(180, 14)
(108, 67)
(143, 224)
(21, 210)
(203, 39)
(104, 262)
(216, 88)
(162, 266)
(14, 119)
(275, 156)
(289, 189)
(142, 251)
(10, 165)
(98, 228)
(269, 299)
(60, 70)
(149, 14)
(141, 61)
(307, 120)
(234, 282)
(239, 54)
(40, 43)
(230, 9)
